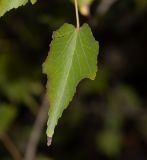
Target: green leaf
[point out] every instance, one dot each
(7, 114)
(109, 142)
(72, 57)
(6, 5)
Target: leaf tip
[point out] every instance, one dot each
(49, 141)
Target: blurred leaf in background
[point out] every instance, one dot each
(7, 115)
(84, 6)
(6, 5)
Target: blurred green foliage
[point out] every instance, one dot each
(107, 118)
(7, 114)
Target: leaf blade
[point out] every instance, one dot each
(68, 62)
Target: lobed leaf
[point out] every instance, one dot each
(72, 57)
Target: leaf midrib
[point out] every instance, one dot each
(66, 72)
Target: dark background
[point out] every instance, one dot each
(107, 119)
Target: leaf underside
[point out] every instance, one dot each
(6, 5)
(72, 57)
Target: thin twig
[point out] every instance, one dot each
(36, 131)
(10, 146)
